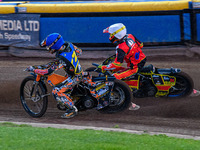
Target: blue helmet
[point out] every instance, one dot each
(54, 42)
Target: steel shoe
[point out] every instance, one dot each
(70, 113)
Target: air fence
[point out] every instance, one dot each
(155, 22)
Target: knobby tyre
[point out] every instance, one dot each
(33, 97)
(183, 87)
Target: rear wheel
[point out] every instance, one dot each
(33, 97)
(120, 99)
(183, 87)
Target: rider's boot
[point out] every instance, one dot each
(134, 106)
(70, 112)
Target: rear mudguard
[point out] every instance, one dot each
(168, 70)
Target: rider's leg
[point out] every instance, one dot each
(130, 71)
(87, 79)
(126, 73)
(62, 95)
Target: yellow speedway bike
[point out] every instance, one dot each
(154, 82)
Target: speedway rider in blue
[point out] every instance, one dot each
(66, 58)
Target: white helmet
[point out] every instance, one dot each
(117, 31)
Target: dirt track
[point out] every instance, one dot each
(166, 115)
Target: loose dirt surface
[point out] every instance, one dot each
(155, 115)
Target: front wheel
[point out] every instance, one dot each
(33, 97)
(183, 87)
(120, 99)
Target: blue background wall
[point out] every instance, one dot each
(176, 25)
(198, 27)
(164, 28)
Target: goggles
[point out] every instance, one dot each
(106, 30)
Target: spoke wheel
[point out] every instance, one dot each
(117, 97)
(120, 98)
(33, 97)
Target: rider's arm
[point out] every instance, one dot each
(118, 61)
(50, 68)
(77, 50)
(44, 66)
(140, 44)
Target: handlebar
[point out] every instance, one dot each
(94, 64)
(106, 71)
(27, 70)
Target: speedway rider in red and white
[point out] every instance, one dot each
(128, 49)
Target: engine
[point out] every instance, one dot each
(147, 89)
(85, 102)
(88, 102)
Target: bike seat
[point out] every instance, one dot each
(147, 69)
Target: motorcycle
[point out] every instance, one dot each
(154, 82)
(34, 94)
